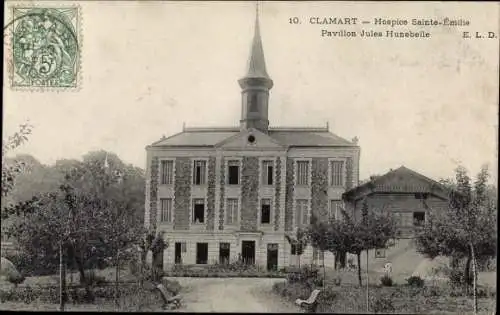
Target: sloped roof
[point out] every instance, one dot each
(294, 137)
(196, 138)
(400, 180)
(309, 138)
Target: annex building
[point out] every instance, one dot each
(228, 192)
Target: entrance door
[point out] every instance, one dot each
(201, 253)
(178, 250)
(272, 256)
(248, 252)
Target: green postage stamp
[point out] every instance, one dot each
(45, 47)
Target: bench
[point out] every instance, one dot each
(310, 304)
(174, 300)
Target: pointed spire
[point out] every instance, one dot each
(256, 63)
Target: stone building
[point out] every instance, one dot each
(228, 192)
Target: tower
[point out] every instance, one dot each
(255, 86)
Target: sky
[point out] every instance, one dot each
(148, 67)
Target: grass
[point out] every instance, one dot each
(352, 299)
(136, 299)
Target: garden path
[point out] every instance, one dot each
(232, 295)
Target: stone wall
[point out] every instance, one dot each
(319, 202)
(289, 194)
(277, 203)
(222, 197)
(182, 187)
(153, 193)
(349, 179)
(211, 194)
(249, 193)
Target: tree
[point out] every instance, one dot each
(298, 241)
(467, 226)
(348, 235)
(11, 170)
(319, 237)
(76, 213)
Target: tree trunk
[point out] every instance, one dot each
(324, 269)
(343, 257)
(62, 280)
(359, 269)
(474, 273)
(89, 297)
(116, 279)
(467, 276)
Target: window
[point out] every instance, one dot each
(265, 211)
(233, 172)
(231, 211)
(167, 172)
(303, 173)
(398, 218)
(267, 172)
(421, 196)
(199, 172)
(418, 218)
(380, 253)
(166, 210)
(224, 250)
(334, 211)
(301, 213)
(406, 219)
(252, 98)
(294, 250)
(198, 211)
(337, 173)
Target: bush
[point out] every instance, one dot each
(327, 295)
(30, 294)
(337, 280)
(28, 267)
(304, 274)
(381, 304)
(93, 279)
(415, 281)
(456, 277)
(386, 281)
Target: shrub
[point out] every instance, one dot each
(303, 274)
(415, 281)
(93, 279)
(30, 294)
(456, 277)
(432, 291)
(386, 281)
(327, 295)
(337, 280)
(381, 304)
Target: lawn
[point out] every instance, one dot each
(145, 299)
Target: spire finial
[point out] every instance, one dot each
(257, 64)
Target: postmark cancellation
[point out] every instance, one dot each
(45, 46)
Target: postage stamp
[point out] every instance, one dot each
(45, 47)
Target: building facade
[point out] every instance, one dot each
(408, 196)
(223, 193)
